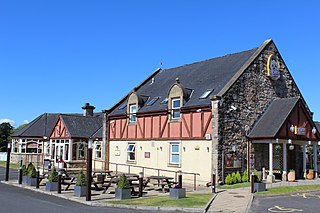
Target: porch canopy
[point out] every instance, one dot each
(286, 121)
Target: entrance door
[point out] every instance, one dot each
(59, 153)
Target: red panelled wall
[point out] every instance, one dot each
(191, 126)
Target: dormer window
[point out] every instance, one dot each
(132, 113)
(175, 110)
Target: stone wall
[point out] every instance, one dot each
(248, 98)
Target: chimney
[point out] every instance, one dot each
(88, 110)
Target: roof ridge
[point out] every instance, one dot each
(218, 57)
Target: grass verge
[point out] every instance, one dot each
(191, 201)
(234, 186)
(12, 165)
(290, 189)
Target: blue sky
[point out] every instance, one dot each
(57, 55)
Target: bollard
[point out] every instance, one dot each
(8, 161)
(20, 173)
(89, 170)
(252, 183)
(180, 178)
(140, 184)
(213, 183)
(37, 177)
(59, 181)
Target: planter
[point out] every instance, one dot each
(259, 187)
(25, 179)
(292, 176)
(51, 186)
(80, 191)
(31, 181)
(177, 192)
(310, 174)
(123, 194)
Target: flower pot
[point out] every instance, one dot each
(80, 191)
(310, 174)
(259, 187)
(51, 186)
(292, 176)
(25, 179)
(31, 181)
(177, 192)
(122, 194)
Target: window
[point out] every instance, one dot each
(97, 150)
(131, 152)
(123, 106)
(174, 153)
(81, 151)
(152, 101)
(175, 109)
(165, 101)
(206, 94)
(132, 113)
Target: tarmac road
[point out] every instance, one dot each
(16, 199)
(298, 202)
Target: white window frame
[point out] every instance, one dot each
(131, 151)
(175, 109)
(171, 154)
(97, 150)
(133, 113)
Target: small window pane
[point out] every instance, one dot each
(152, 101)
(175, 114)
(175, 158)
(176, 103)
(175, 148)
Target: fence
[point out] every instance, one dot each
(158, 172)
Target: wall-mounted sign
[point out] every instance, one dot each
(147, 155)
(273, 68)
(301, 131)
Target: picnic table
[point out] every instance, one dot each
(162, 181)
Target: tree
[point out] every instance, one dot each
(5, 132)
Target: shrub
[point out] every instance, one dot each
(53, 176)
(238, 177)
(228, 180)
(81, 179)
(245, 176)
(32, 170)
(24, 170)
(256, 176)
(123, 182)
(233, 178)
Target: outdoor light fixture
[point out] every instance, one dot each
(9, 145)
(314, 130)
(291, 147)
(289, 141)
(291, 128)
(309, 142)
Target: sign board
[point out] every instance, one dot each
(301, 131)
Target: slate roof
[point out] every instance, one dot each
(39, 127)
(273, 118)
(97, 134)
(317, 123)
(81, 126)
(216, 73)
(43, 124)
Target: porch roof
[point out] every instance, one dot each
(274, 117)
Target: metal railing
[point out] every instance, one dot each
(143, 168)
